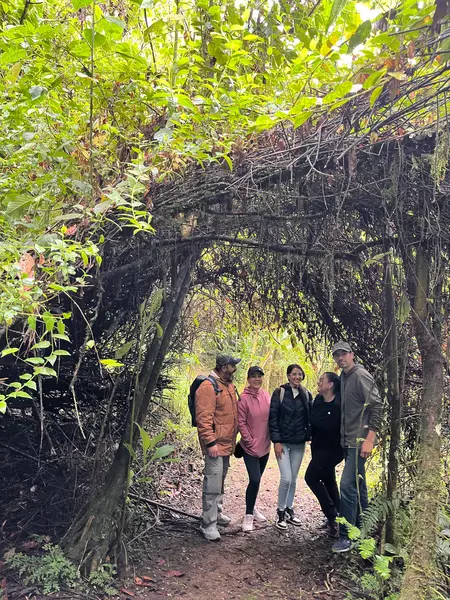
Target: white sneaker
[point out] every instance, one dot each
(223, 520)
(210, 533)
(247, 525)
(259, 517)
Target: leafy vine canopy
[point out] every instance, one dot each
(101, 102)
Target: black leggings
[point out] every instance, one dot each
(321, 478)
(255, 469)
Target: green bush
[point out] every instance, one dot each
(49, 571)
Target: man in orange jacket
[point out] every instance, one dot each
(217, 425)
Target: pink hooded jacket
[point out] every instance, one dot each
(253, 421)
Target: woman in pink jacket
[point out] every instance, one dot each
(253, 422)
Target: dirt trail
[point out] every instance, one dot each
(296, 565)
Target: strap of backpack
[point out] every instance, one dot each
(214, 383)
(282, 392)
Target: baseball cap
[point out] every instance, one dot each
(226, 359)
(341, 345)
(255, 370)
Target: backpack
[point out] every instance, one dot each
(192, 391)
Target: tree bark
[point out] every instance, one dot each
(391, 362)
(93, 535)
(420, 571)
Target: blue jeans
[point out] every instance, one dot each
(289, 465)
(354, 498)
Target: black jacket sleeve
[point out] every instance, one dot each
(274, 426)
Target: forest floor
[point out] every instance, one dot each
(266, 563)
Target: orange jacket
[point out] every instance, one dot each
(216, 416)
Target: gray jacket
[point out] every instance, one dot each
(361, 407)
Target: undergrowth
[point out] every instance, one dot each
(51, 571)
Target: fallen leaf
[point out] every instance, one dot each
(127, 592)
(144, 582)
(31, 545)
(71, 230)
(147, 578)
(174, 574)
(161, 562)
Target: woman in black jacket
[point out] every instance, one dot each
(326, 448)
(289, 430)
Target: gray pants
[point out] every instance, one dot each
(214, 478)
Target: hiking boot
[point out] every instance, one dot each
(210, 533)
(333, 529)
(291, 518)
(281, 521)
(342, 545)
(259, 517)
(223, 520)
(247, 525)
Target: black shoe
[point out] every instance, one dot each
(333, 529)
(281, 520)
(291, 518)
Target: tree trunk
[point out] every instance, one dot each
(94, 533)
(391, 362)
(420, 571)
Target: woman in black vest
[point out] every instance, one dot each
(289, 430)
(326, 448)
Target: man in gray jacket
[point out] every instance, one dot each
(361, 412)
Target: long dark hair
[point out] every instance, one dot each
(335, 380)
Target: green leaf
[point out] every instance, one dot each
(61, 353)
(130, 450)
(45, 371)
(31, 384)
(26, 376)
(123, 350)
(40, 345)
(375, 94)
(301, 118)
(146, 441)
(381, 566)
(32, 322)
(163, 451)
(36, 91)
(159, 330)
(404, 309)
(367, 548)
(22, 394)
(338, 92)
(390, 548)
(35, 360)
(7, 351)
(228, 160)
(77, 4)
(2, 406)
(374, 78)
(61, 336)
(115, 21)
(360, 35)
(110, 363)
(99, 39)
(60, 326)
(49, 321)
(147, 3)
(336, 9)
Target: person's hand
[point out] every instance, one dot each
(213, 452)
(278, 450)
(366, 449)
